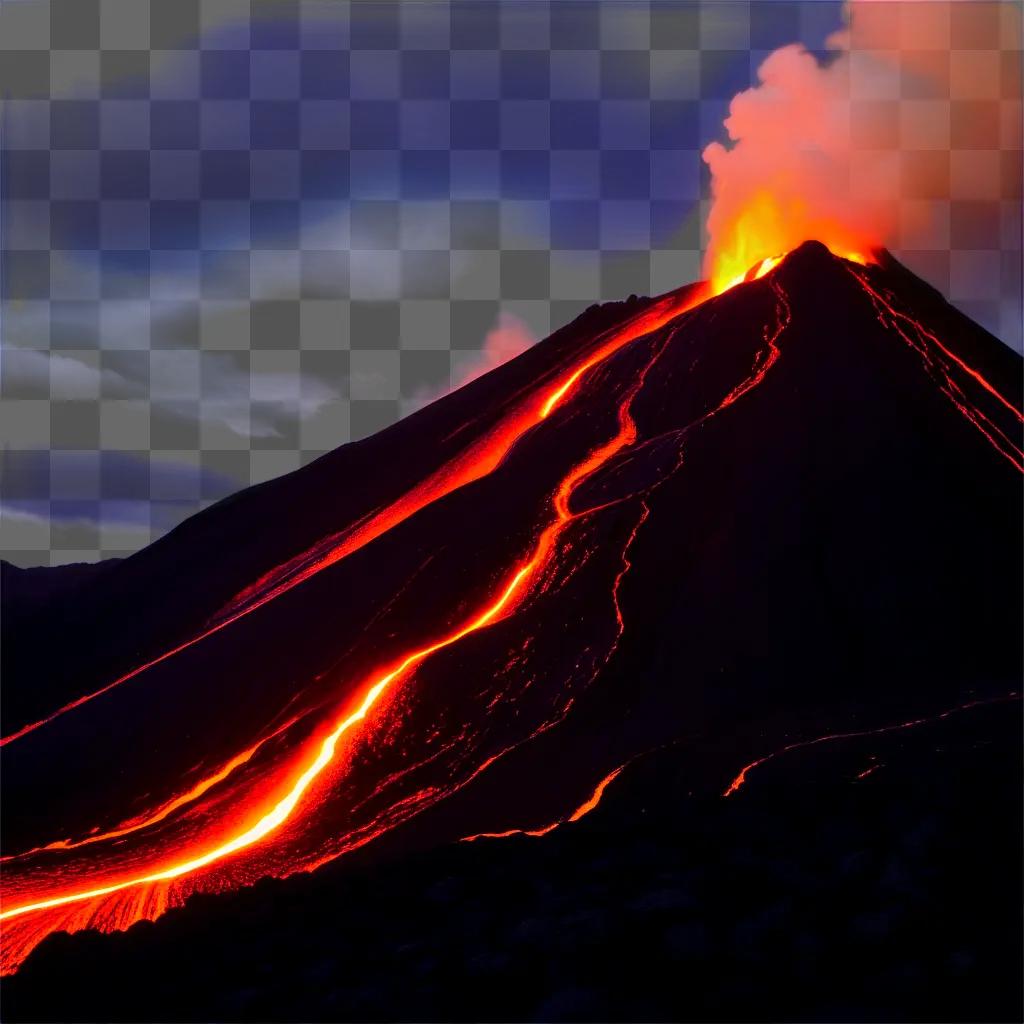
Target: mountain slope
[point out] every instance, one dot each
(817, 892)
(714, 526)
(206, 561)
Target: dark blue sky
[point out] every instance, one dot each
(255, 129)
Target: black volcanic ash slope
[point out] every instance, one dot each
(166, 592)
(835, 549)
(812, 895)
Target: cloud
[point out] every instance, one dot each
(218, 388)
(390, 252)
(508, 338)
(187, 384)
(257, 405)
(57, 375)
(105, 489)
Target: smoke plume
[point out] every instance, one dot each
(508, 338)
(918, 104)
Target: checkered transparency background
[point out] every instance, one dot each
(238, 234)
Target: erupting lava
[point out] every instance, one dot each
(763, 232)
(208, 837)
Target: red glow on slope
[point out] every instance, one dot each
(283, 809)
(275, 807)
(253, 821)
(741, 778)
(943, 364)
(585, 808)
(165, 810)
(595, 798)
(477, 461)
(269, 820)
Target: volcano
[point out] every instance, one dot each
(683, 547)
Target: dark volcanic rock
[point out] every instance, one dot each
(815, 532)
(807, 896)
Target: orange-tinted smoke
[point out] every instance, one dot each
(915, 106)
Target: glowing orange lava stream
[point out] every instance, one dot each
(747, 769)
(529, 574)
(902, 323)
(481, 458)
(165, 810)
(283, 809)
(585, 808)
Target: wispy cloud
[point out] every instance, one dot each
(105, 489)
(111, 357)
(208, 386)
(57, 375)
(508, 338)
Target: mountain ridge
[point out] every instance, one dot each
(778, 511)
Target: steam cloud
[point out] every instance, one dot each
(914, 107)
(508, 338)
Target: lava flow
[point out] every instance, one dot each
(166, 809)
(584, 808)
(942, 363)
(741, 778)
(478, 460)
(516, 589)
(597, 475)
(513, 592)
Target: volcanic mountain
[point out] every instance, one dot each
(706, 532)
